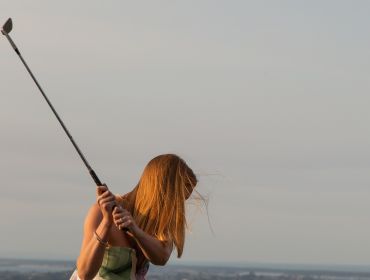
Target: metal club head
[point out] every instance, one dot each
(7, 27)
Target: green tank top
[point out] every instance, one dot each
(119, 263)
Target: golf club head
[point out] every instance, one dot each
(7, 27)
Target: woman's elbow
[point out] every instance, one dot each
(161, 261)
(84, 274)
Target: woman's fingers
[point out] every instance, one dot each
(106, 196)
(101, 189)
(106, 199)
(126, 222)
(118, 217)
(120, 214)
(123, 225)
(120, 221)
(107, 204)
(123, 219)
(117, 210)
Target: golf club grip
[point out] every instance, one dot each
(115, 205)
(95, 177)
(98, 183)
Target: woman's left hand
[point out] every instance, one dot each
(123, 219)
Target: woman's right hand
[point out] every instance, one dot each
(106, 202)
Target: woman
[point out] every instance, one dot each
(122, 234)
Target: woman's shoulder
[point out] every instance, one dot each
(94, 208)
(94, 214)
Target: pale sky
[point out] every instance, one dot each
(268, 102)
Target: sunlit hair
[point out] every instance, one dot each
(158, 201)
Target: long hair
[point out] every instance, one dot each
(157, 203)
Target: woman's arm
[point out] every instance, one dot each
(92, 250)
(156, 251)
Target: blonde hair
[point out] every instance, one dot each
(158, 201)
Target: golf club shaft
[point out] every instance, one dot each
(91, 171)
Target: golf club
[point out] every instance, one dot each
(7, 27)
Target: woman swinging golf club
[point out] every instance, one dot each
(143, 227)
(122, 234)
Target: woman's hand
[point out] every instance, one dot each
(156, 251)
(106, 202)
(123, 219)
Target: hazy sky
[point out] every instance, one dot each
(268, 101)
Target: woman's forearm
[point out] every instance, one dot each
(91, 257)
(156, 251)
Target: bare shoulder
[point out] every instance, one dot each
(93, 217)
